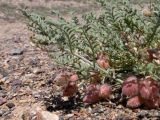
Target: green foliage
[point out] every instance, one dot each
(120, 31)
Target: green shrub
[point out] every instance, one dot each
(121, 32)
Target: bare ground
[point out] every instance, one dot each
(27, 73)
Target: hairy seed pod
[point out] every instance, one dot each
(103, 63)
(134, 102)
(62, 79)
(105, 91)
(70, 89)
(149, 89)
(130, 86)
(152, 104)
(74, 77)
(102, 60)
(92, 94)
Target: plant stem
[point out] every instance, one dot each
(151, 37)
(92, 49)
(69, 42)
(96, 66)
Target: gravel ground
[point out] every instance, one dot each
(27, 89)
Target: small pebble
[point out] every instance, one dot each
(157, 114)
(6, 112)
(98, 110)
(16, 82)
(61, 118)
(142, 114)
(3, 93)
(10, 105)
(17, 51)
(34, 62)
(36, 94)
(70, 115)
(37, 71)
(122, 117)
(45, 115)
(1, 112)
(3, 72)
(119, 106)
(2, 100)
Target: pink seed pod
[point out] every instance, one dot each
(130, 86)
(134, 102)
(92, 94)
(70, 89)
(92, 98)
(105, 91)
(74, 77)
(152, 104)
(102, 60)
(62, 79)
(91, 88)
(149, 89)
(103, 63)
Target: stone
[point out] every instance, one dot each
(7, 112)
(17, 51)
(3, 72)
(3, 93)
(69, 115)
(122, 117)
(157, 114)
(15, 85)
(25, 115)
(142, 114)
(99, 110)
(34, 62)
(2, 100)
(61, 118)
(37, 71)
(2, 112)
(16, 82)
(10, 105)
(45, 115)
(36, 94)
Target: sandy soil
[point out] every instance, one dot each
(27, 73)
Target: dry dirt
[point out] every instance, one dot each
(27, 73)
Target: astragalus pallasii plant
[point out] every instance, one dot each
(117, 47)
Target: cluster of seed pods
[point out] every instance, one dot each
(146, 92)
(68, 81)
(102, 60)
(95, 92)
(138, 91)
